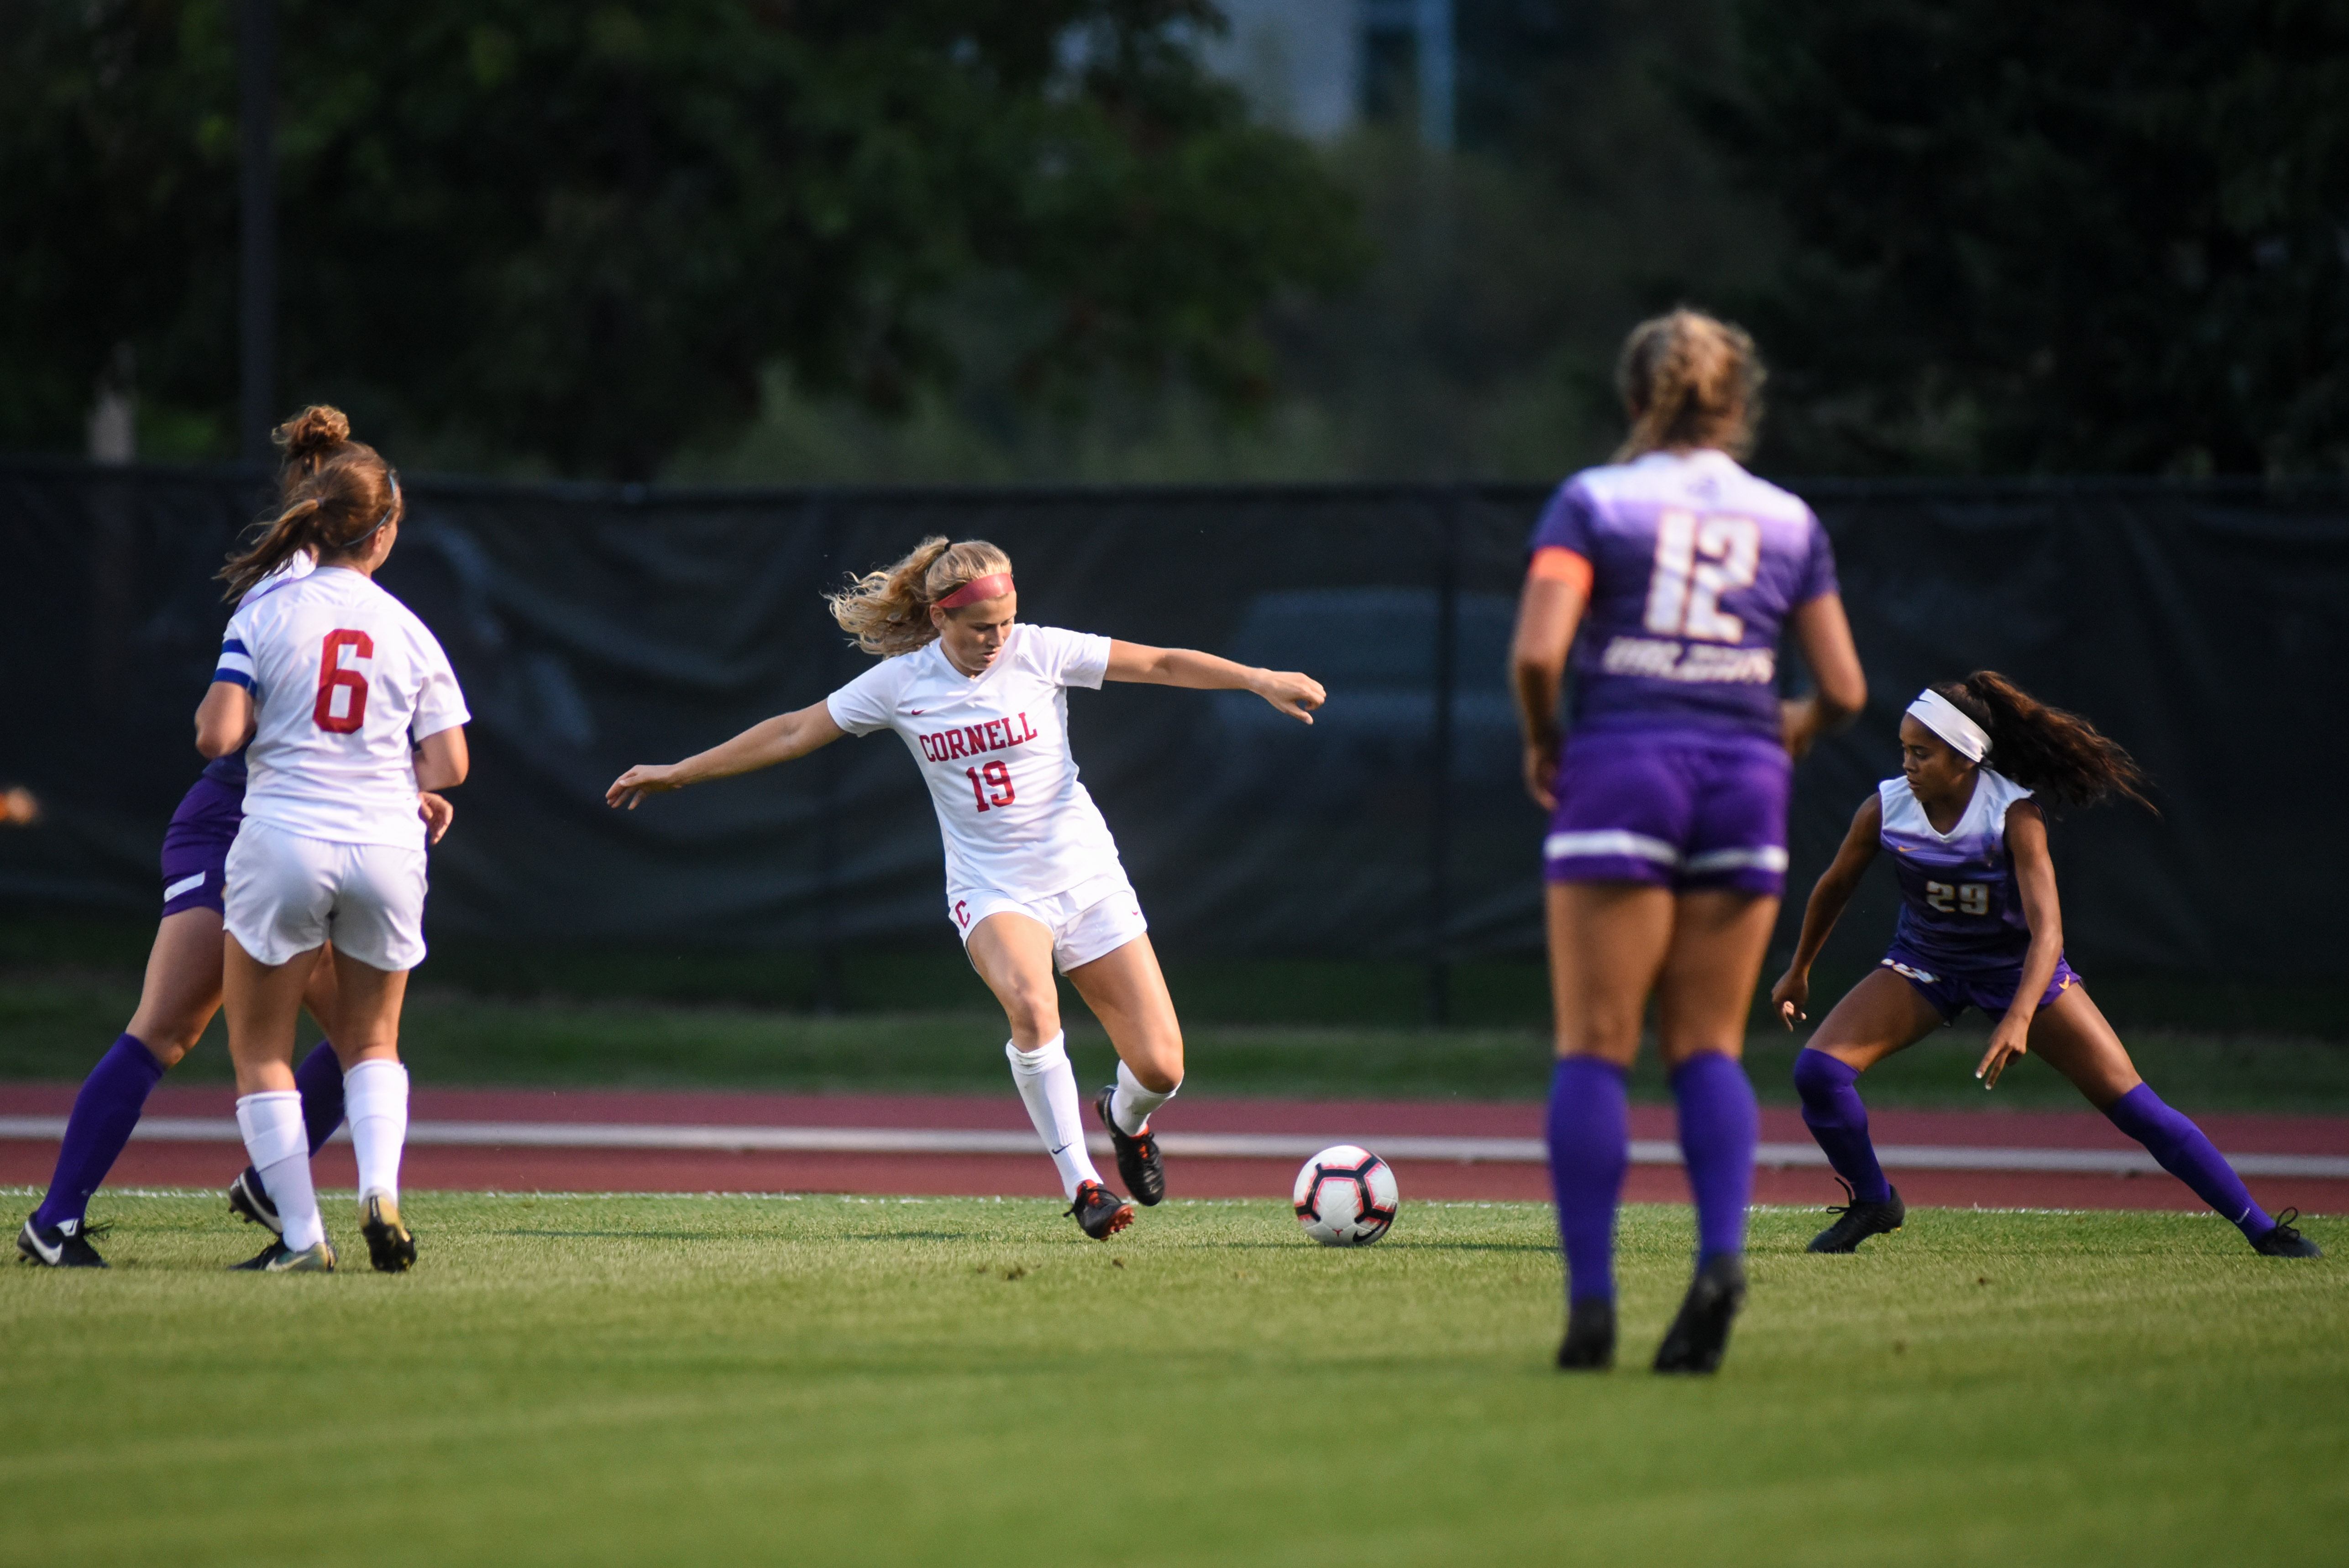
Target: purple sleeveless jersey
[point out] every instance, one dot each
(1694, 565)
(1962, 936)
(1672, 773)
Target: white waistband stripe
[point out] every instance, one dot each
(1768, 859)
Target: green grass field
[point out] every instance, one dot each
(589, 1380)
(54, 1026)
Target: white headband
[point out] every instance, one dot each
(1946, 719)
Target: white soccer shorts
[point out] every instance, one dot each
(286, 894)
(1089, 920)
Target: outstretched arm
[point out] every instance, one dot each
(1828, 900)
(2035, 879)
(783, 738)
(1294, 695)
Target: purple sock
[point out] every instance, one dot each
(1719, 1126)
(320, 1080)
(1589, 1145)
(2186, 1154)
(1837, 1118)
(104, 1113)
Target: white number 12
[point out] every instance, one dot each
(1684, 591)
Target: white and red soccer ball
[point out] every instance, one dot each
(1346, 1197)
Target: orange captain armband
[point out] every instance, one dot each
(1556, 563)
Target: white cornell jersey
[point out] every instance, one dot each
(995, 752)
(345, 680)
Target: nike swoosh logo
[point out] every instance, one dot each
(48, 1255)
(915, 712)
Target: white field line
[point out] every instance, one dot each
(1185, 1145)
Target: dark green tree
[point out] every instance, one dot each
(2100, 235)
(577, 234)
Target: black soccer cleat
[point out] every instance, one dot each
(1100, 1213)
(279, 1258)
(249, 1200)
(59, 1246)
(1590, 1342)
(1700, 1333)
(390, 1248)
(2284, 1242)
(1138, 1165)
(1860, 1221)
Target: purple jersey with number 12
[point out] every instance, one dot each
(1695, 565)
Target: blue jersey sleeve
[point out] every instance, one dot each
(1565, 522)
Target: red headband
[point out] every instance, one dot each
(978, 588)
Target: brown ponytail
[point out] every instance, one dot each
(1689, 380)
(333, 494)
(2056, 755)
(888, 612)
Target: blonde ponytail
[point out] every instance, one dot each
(888, 611)
(1689, 380)
(333, 495)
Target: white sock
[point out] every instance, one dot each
(375, 1096)
(1131, 1106)
(1049, 1085)
(279, 1147)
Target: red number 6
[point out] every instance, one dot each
(333, 676)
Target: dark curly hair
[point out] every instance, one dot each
(2058, 756)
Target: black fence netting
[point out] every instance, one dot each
(594, 627)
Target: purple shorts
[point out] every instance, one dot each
(195, 846)
(1952, 991)
(1680, 809)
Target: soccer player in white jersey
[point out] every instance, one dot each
(348, 710)
(1032, 875)
(181, 990)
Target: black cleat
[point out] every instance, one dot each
(1590, 1342)
(1860, 1221)
(2284, 1242)
(248, 1200)
(59, 1246)
(1697, 1337)
(1138, 1164)
(279, 1258)
(1100, 1213)
(389, 1246)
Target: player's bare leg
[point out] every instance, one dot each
(1127, 991)
(1880, 1016)
(1703, 998)
(261, 1001)
(1013, 954)
(2072, 1033)
(376, 1088)
(182, 986)
(1607, 946)
(319, 1078)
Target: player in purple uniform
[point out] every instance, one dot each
(1981, 926)
(1669, 575)
(182, 987)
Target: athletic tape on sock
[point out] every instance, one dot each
(271, 1125)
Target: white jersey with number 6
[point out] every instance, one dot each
(994, 750)
(345, 681)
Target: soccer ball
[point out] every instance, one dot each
(1346, 1197)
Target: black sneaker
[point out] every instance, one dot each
(389, 1246)
(2284, 1242)
(279, 1258)
(64, 1246)
(248, 1200)
(1137, 1156)
(1100, 1213)
(1860, 1221)
(1697, 1337)
(1590, 1342)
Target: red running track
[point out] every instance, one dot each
(28, 1163)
